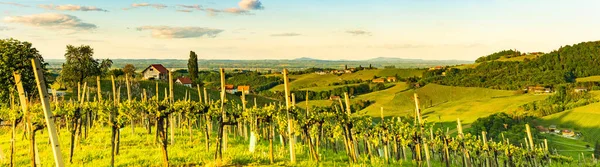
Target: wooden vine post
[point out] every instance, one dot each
(128, 84)
(171, 121)
(291, 137)
(221, 138)
(27, 116)
(350, 140)
(43, 92)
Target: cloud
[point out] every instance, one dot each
(138, 5)
(2, 28)
(358, 32)
(250, 5)
(183, 10)
(14, 4)
(237, 11)
(51, 20)
(286, 35)
(70, 7)
(196, 7)
(166, 32)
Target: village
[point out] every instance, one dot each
(564, 132)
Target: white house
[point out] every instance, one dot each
(185, 81)
(156, 72)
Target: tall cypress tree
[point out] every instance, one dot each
(193, 67)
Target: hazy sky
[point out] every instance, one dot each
(286, 29)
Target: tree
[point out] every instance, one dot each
(105, 66)
(15, 56)
(193, 67)
(129, 69)
(79, 64)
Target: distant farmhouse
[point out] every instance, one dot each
(538, 89)
(230, 89)
(392, 79)
(156, 72)
(185, 81)
(245, 89)
(378, 80)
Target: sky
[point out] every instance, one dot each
(288, 29)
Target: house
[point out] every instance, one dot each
(230, 89)
(378, 80)
(334, 98)
(436, 68)
(320, 72)
(568, 133)
(156, 72)
(348, 71)
(392, 79)
(552, 128)
(581, 89)
(185, 81)
(538, 89)
(542, 129)
(245, 89)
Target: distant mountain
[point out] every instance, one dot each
(306, 59)
(388, 59)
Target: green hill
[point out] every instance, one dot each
(589, 79)
(583, 119)
(441, 103)
(322, 82)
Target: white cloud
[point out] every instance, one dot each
(14, 4)
(166, 32)
(51, 20)
(237, 11)
(286, 35)
(250, 5)
(184, 10)
(70, 7)
(137, 5)
(196, 7)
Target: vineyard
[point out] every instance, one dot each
(142, 128)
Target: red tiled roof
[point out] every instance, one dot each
(228, 87)
(160, 68)
(243, 88)
(185, 80)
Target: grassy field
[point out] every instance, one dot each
(582, 119)
(441, 103)
(589, 79)
(566, 146)
(519, 58)
(323, 81)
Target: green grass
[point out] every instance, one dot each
(566, 146)
(519, 58)
(583, 119)
(441, 103)
(589, 79)
(322, 82)
(400, 72)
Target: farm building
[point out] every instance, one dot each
(230, 89)
(185, 81)
(542, 129)
(568, 133)
(538, 89)
(245, 89)
(156, 72)
(581, 89)
(379, 80)
(552, 128)
(392, 79)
